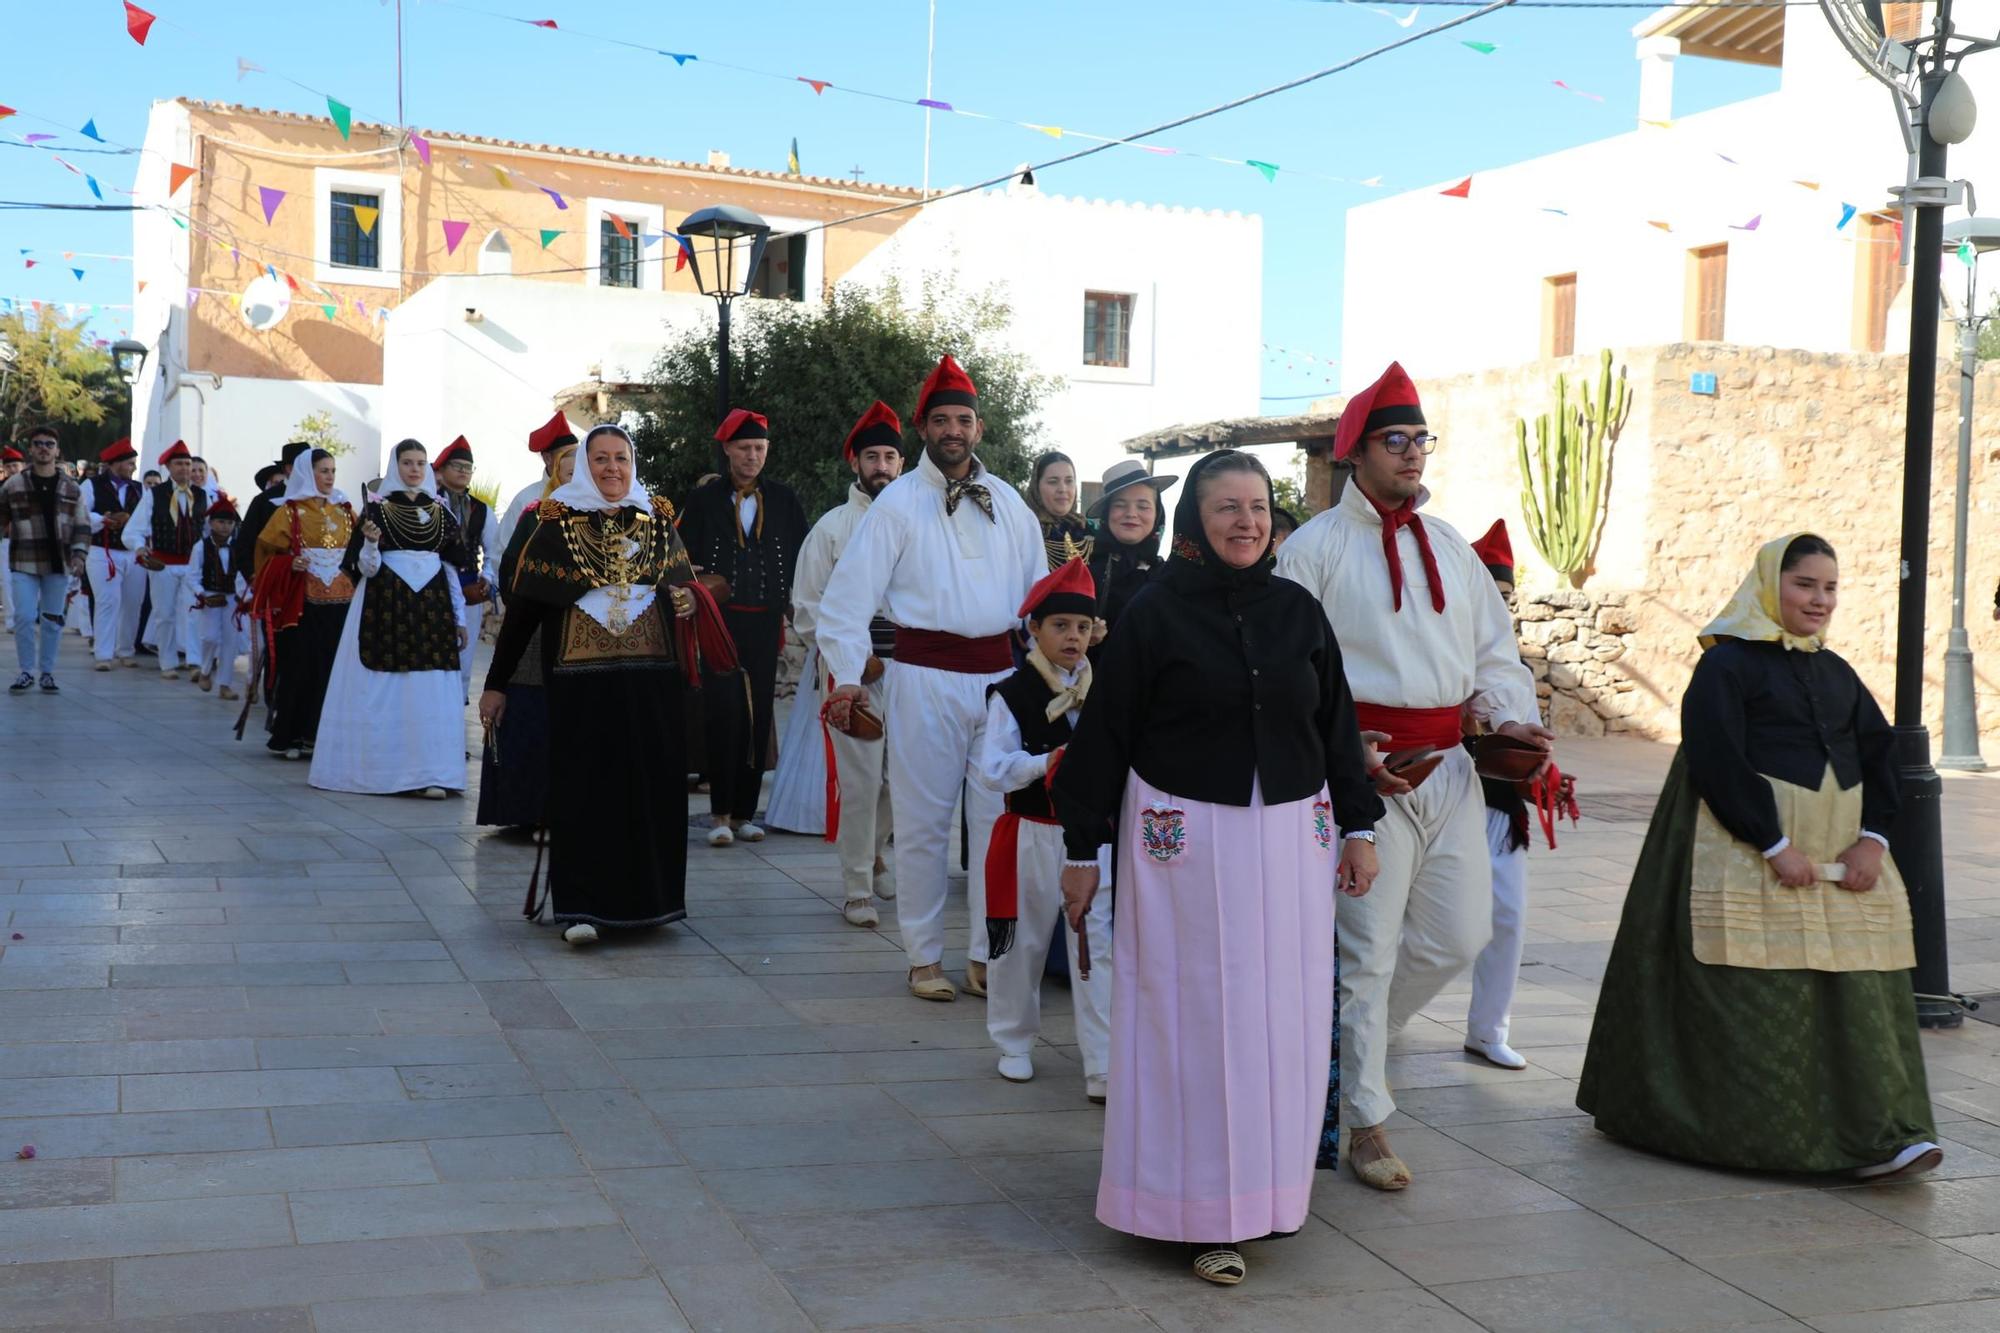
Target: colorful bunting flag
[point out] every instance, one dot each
(1663, 226)
(79, 274)
(792, 161)
(142, 286)
(423, 147)
(89, 130)
(933, 104)
(543, 23)
(1810, 185)
(679, 58)
(1053, 131)
(1966, 254)
(270, 197)
(1484, 48)
(91, 181)
(1462, 190)
(177, 176)
(618, 224)
(360, 309)
(818, 85)
(247, 67)
(1268, 170)
(343, 116)
(454, 232)
(684, 250)
(137, 22)
(328, 310)
(292, 283)
(6, 111)
(549, 234)
(500, 174)
(194, 297)
(364, 218)
(651, 238)
(37, 138)
(1847, 212)
(32, 262)
(559, 200)
(1658, 124)
(1751, 225)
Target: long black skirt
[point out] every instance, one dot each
(617, 806)
(514, 772)
(305, 664)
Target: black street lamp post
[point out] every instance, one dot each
(725, 245)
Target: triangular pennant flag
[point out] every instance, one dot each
(291, 282)
(1268, 170)
(343, 117)
(1966, 254)
(506, 181)
(1847, 212)
(89, 130)
(618, 224)
(194, 297)
(177, 176)
(137, 22)
(142, 286)
(177, 221)
(1663, 226)
(270, 196)
(364, 218)
(360, 309)
(79, 274)
(549, 234)
(1053, 131)
(651, 238)
(543, 23)
(934, 104)
(423, 147)
(1658, 124)
(6, 111)
(37, 138)
(1751, 225)
(818, 85)
(1484, 48)
(454, 232)
(328, 310)
(31, 262)
(1462, 190)
(270, 272)
(559, 200)
(679, 58)
(246, 67)
(91, 181)
(1810, 185)
(683, 250)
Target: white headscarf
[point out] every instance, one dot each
(301, 486)
(392, 480)
(582, 492)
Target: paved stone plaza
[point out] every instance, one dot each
(292, 1062)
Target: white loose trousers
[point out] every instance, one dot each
(475, 615)
(1499, 964)
(932, 722)
(222, 640)
(1427, 917)
(167, 626)
(1014, 980)
(118, 589)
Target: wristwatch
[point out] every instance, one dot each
(1366, 835)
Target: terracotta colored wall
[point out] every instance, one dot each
(349, 348)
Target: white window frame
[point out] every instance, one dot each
(486, 248)
(814, 283)
(388, 227)
(648, 218)
(1140, 367)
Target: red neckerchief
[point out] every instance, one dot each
(1405, 516)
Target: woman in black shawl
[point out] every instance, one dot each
(1130, 519)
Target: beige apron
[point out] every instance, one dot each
(1743, 917)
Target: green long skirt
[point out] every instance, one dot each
(1762, 1069)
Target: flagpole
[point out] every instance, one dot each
(400, 119)
(930, 58)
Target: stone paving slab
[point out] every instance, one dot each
(292, 1063)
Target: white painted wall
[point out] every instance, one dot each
(1198, 276)
(495, 380)
(1449, 285)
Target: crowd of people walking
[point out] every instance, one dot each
(1261, 787)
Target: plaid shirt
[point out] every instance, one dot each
(33, 549)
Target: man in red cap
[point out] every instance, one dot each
(1029, 719)
(858, 820)
(163, 530)
(743, 531)
(117, 592)
(1425, 638)
(554, 442)
(947, 552)
(481, 531)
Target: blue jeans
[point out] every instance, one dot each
(37, 597)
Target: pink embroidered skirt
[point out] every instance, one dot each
(1221, 1016)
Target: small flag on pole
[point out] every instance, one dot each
(793, 161)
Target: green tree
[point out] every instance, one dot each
(1291, 497)
(318, 430)
(52, 374)
(813, 370)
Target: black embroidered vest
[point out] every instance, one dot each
(471, 531)
(218, 570)
(104, 500)
(177, 537)
(1027, 698)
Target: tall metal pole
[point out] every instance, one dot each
(1918, 838)
(722, 304)
(1961, 704)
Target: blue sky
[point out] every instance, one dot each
(1434, 112)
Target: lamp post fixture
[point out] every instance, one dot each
(1961, 706)
(130, 358)
(1934, 109)
(725, 247)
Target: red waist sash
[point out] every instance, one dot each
(954, 652)
(170, 560)
(1434, 728)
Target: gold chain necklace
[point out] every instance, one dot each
(608, 552)
(413, 525)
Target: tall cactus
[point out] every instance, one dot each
(1562, 490)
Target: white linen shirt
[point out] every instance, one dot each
(1416, 657)
(961, 573)
(817, 560)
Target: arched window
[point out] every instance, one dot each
(496, 256)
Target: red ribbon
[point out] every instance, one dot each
(1554, 795)
(832, 769)
(1405, 515)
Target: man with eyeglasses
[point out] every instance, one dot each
(48, 531)
(1424, 634)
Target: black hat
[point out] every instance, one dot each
(1123, 476)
